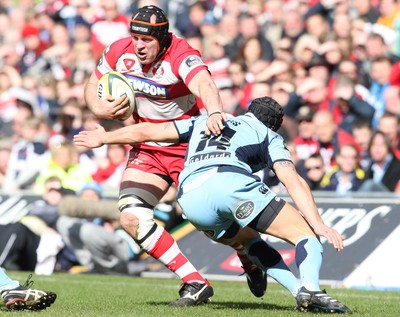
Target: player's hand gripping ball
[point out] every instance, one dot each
(116, 85)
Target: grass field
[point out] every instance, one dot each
(113, 296)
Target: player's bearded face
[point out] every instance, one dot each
(146, 48)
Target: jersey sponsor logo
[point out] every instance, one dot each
(211, 155)
(148, 88)
(129, 62)
(193, 61)
(244, 210)
(209, 233)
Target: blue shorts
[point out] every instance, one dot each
(214, 199)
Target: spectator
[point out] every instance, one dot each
(349, 69)
(332, 53)
(33, 46)
(376, 47)
(84, 62)
(273, 26)
(383, 173)
(110, 26)
(209, 25)
(259, 89)
(346, 176)
(311, 92)
(389, 124)
(293, 25)
(63, 163)
(250, 29)
(112, 249)
(25, 158)
(281, 91)
(5, 153)
(342, 26)
(32, 243)
(241, 86)
(229, 26)
(9, 79)
(362, 133)
(304, 48)
(18, 244)
(319, 68)
(278, 70)
(284, 50)
(110, 169)
(69, 120)
(365, 10)
(389, 11)
(313, 170)
(251, 51)
(216, 59)
(380, 70)
(318, 26)
(330, 137)
(196, 13)
(230, 103)
(392, 99)
(348, 106)
(306, 142)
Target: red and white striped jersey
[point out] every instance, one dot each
(161, 87)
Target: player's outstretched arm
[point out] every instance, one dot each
(302, 197)
(133, 134)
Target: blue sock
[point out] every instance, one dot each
(268, 259)
(309, 260)
(6, 282)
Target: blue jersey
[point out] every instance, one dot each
(245, 142)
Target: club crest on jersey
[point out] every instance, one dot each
(129, 63)
(158, 71)
(192, 61)
(244, 210)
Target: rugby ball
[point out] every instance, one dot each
(116, 85)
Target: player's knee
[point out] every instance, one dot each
(129, 222)
(136, 215)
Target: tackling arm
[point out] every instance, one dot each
(298, 191)
(133, 134)
(302, 197)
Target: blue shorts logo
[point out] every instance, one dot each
(209, 233)
(244, 210)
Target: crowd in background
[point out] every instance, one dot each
(334, 66)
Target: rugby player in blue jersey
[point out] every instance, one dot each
(220, 195)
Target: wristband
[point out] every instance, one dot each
(216, 112)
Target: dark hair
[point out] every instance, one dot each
(386, 139)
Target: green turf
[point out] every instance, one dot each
(112, 296)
